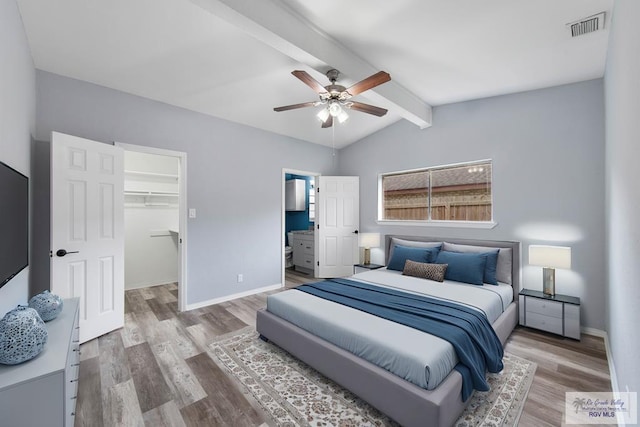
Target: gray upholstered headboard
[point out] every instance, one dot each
(514, 246)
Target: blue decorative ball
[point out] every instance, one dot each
(47, 305)
(22, 335)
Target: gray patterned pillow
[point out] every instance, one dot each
(425, 270)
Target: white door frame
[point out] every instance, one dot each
(286, 171)
(182, 212)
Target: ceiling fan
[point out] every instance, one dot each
(336, 97)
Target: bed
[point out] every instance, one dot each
(437, 401)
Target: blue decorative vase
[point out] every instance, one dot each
(22, 335)
(47, 305)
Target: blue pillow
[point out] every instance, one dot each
(402, 253)
(463, 267)
(490, 267)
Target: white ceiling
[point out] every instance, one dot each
(233, 58)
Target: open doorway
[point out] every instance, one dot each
(155, 218)
(298, 220)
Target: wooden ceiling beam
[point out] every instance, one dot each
(276, 25)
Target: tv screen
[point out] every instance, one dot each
(14, 223)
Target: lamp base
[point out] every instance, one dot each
(549, 281)
(367, 256)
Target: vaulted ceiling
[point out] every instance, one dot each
(233, 59)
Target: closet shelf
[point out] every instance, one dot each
(152, 174)
(152, 193)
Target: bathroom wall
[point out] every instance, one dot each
(298, 220)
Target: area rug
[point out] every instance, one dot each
(294, 394)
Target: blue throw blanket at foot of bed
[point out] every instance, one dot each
(469, 332)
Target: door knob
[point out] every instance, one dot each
(355, 232)
(63, 252)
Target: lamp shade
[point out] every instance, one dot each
(550, 256)
(369, 240)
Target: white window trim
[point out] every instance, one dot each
(436, 223)
(450, 224)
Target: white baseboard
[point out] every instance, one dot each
(148, 285)
(593, 331)
(233, 296)
(612, 369)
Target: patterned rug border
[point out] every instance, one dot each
(498, 407)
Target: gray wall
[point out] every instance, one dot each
(622, 91)
(547, 148)
(234, 176)
(17, 120)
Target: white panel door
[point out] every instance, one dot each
(338, 219)
(87, 230)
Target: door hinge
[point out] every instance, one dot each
(318, 225)
(317, 189)
(318, 262)
(180, 240)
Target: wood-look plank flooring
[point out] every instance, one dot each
(156, 371)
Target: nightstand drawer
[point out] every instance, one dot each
(559, 314)
(544, 307)
(545, 323)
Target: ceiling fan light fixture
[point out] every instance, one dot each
(342, 116)
(323, 115)
(335, 109)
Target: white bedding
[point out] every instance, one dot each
(420, 358)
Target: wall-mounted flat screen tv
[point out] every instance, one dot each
(14, 223)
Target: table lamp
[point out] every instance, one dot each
(550, 258)
(368, 241)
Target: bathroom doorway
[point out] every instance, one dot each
(298, 220)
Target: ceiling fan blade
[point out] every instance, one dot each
(370, 109)
(309, 81)
(328, 123)
(368, 83)
(295, 106)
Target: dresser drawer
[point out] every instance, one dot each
(545, 323)
(544, 307)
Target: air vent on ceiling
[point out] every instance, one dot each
(587, 25)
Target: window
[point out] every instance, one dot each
(459, 192)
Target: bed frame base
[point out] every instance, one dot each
(405, 402)
(401, 400)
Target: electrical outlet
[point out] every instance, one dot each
(192, 213)
(240, 278)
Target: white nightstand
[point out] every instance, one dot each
(361, 268)
(558, 314)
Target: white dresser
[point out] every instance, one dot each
(303, 252)
(43, 390)
(559, 314)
